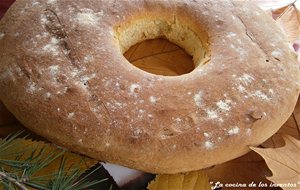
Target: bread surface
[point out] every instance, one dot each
(64, 76)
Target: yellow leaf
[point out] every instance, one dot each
(187, 181)
(72, 160)
(159, 56)
(284, 162)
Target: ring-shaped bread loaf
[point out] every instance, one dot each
(64, 76)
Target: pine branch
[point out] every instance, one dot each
(20, 167)
(4, 175)
(7, 144)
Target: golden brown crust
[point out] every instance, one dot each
(63, 75)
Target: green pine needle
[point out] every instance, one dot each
(6, 145)
(21, 172)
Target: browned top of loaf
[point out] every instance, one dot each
(63, 76)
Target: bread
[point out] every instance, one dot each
(64, 76)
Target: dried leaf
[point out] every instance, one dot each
(297, 115)
(252, 167)
(243, 170)
(188, 181)
(286, 14)
(273, 4)
(72, 159)
(289, 20)
(161, 57)
(289, 128)
(283, 162)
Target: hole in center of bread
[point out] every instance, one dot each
(163, 47)
(160, 57)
